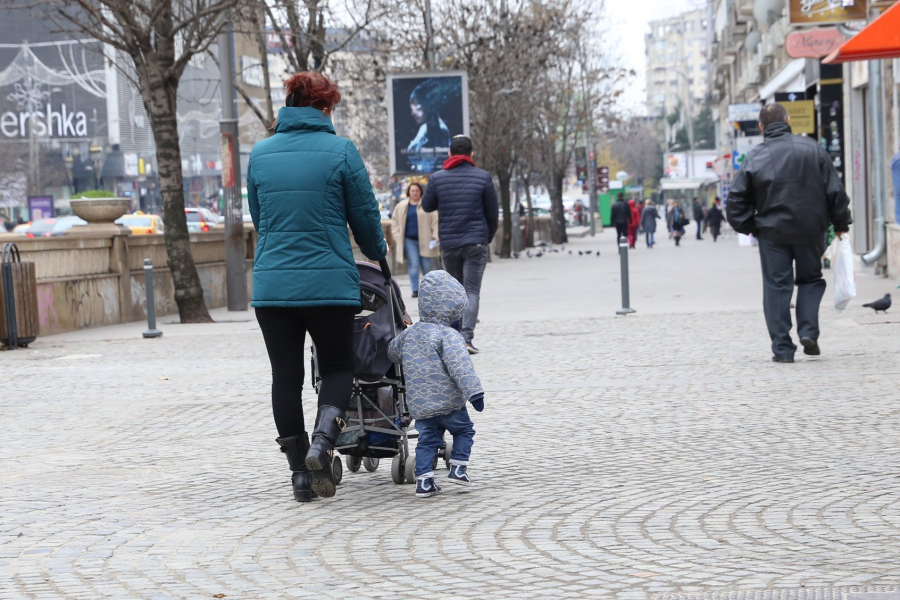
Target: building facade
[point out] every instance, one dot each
(768, 51)
(678, 66)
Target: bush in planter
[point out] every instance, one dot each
(95, 194)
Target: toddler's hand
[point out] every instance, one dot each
(477, 402)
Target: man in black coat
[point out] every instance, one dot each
(699, 217)
(786, 194)
(618, 216)
(469, 216)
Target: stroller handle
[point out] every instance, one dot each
(385, 270)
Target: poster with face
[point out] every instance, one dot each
(425, 111)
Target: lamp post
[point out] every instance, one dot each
(687, 104)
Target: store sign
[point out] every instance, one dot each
(803, 115)
(738, 113)
(817, 12)
(742, 147)
(56, 122)
(814, 43)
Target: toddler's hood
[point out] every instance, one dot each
(442, 299)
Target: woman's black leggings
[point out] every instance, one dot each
(284, 330)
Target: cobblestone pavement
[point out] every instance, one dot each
(655, 456)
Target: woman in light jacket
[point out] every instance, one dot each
(413, 231)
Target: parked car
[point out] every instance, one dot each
(141, 224)
(53, 227)
(200, 219)
(21, 229)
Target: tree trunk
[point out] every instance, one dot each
(160, 102)
(529, 230)
(557, 212)
(505, 246)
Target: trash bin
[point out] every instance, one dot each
(19, 322)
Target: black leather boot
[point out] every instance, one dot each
(329, 423)
(295, 448)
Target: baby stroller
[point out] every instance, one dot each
(378, 420)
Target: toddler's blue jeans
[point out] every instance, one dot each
(431, 436)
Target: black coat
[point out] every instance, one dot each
(787, 191)
(467, 202)
(619, 213)
(698, 212)
(715, 217)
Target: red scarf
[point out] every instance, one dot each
(455, 161)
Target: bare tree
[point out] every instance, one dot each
(578, 88)
(504, 46)
(636, 145)
(307, 34)
(161, 37)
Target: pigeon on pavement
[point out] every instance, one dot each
(880, 305)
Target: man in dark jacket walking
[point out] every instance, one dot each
(469, 211)
(699, 217)
(618, 215)
(786, 194)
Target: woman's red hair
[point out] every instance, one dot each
(311, 89)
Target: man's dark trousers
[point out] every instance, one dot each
(621, 230)
(778, 286)
(467, 264)
(699, 229)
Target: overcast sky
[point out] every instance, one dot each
(628, 20)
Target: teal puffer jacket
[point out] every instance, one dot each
(304, 185)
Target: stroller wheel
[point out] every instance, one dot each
(338, 469)
(410, 470)
(353, 463)
(371, 464)
(397, 469)
(448, 450)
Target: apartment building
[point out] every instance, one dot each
(678, 64)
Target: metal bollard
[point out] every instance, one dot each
(623, 255)
(152, 331)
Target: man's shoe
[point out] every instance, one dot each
(458, 475)
(782, 359)
(320, 457)
(810, 347)
(426, 488)
(295, 448)
(415, 294)
(472, 349)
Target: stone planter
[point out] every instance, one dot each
(100, 213)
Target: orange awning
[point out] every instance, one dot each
(879, 39)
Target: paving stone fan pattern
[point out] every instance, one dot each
(649, 457)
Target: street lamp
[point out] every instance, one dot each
(687, 104)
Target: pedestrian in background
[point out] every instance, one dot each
(679, 222)
(619, 216)
(415, 236)
(714, 218)
(786, 194)
(634, 222)
(467, 201)
(304, 275)
(698, 216)
(648, 222)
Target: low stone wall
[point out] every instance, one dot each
(98, 280)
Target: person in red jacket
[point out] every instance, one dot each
(634, 223)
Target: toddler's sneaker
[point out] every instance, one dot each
(426, 487)
(458, 475)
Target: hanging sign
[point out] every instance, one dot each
(816, 12)
(813, 43)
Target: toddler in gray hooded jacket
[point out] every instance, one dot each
(440, 379)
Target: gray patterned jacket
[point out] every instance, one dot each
(440, 377)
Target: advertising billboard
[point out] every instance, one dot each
(425, 111)
(818, 12)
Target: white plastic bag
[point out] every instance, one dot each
(844, 278)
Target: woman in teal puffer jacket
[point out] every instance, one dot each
(304, 186)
